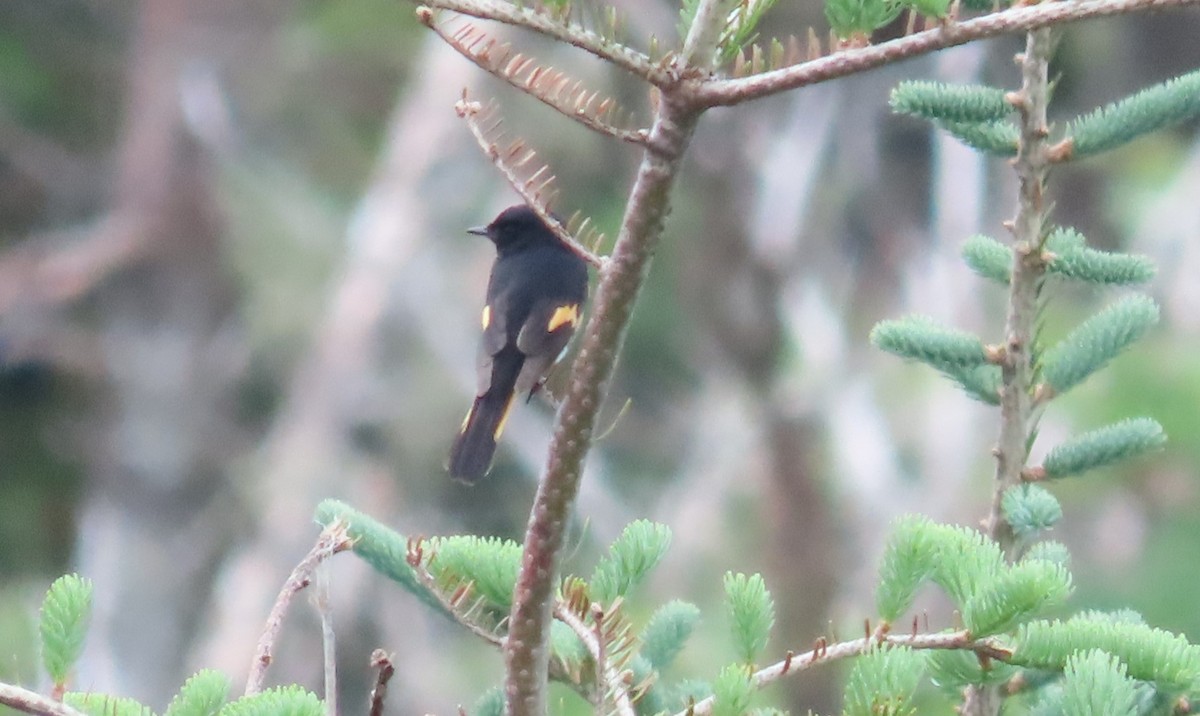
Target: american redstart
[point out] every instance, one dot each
(534, 302)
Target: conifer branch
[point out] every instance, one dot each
(623, 56)
(1028, 270)
(1031, 165)
(715, 93)
(612, 680)
(550, 86)
(460, 595)
(823, 654)
(536, 187)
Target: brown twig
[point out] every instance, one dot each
(593, 641)
(571, 33)
(822, 653)
(1031, 167)
(333, 539)
(320, 601)
(381, 661)
(716, 93)
(536, 188)
(549, 86)
(34, 703)
(1029, 268)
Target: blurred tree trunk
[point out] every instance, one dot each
(737, 295)
(159, 512)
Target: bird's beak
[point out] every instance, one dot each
(478, 230)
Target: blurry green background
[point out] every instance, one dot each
(234, 280)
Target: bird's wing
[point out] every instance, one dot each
(544, 336)
(495, 336)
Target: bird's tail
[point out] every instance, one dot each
(471, 454)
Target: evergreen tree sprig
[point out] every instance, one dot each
(988, 258)
(97, 704)
(998, 138)
(665, 634)
(202, 695)
(488, 564)
(381, 547)
(630, 558)
(1104, 446)
(751, 613)
(1021, 592)
(1074, 260)
(908, 560)
(741, 28)
(883, 681)
(1030, 509)
(1149, 654)
(1097, 341)
(66, 613)
(952, 670)
(1151, 109)
(279, 701)
(924, 339)
(1049, 551)
(939, 101)
(851, 19)
(733, 690)
(1095, 683)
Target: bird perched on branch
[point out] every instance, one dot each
(534, 303)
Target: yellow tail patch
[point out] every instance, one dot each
(486, 319)
(508, 404)
(563, 315)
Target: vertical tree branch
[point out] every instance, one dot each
(527, 652)
(705, 32)
(1028, 227)
(1029, 231)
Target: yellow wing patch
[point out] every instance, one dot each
(562, 316)
(486, 319)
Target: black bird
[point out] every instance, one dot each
(534, 302)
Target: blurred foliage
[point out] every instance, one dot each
(38, 486)
(311, 107)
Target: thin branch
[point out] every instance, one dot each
(822, 654)
(536, 188)
(1028, 228)
(333, 539)
(382, 661)
(453, 604)
(1031, 165)
(31, 702)
(716, 93)
(592, 642)
(57, 268)
(658, 74)
(551, 87)
(700, 45)
(321, 601)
